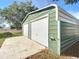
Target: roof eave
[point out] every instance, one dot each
(51, 5)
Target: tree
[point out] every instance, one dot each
(16, 12)
(68, 1)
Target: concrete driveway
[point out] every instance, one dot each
(19, 48)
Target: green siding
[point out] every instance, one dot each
(69, 34)
(38, 14)
(53, 43)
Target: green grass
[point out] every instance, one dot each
(1, 41)
(17, 34)
(2, 37)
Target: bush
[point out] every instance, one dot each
(7, 34)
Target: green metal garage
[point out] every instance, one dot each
(52, 27)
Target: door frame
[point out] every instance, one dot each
(36, 19)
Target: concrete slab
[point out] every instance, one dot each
(19, 48)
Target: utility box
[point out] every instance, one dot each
(52, 27)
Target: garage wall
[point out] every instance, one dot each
(69, 30)
(53, 31)
(68, 35)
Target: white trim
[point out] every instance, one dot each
(58, 30)
(59, 38)
(51, 5)
(56, 12)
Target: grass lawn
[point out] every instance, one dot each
(3, 36)
(1, 41)
(17, 34)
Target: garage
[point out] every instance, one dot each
(52, 27)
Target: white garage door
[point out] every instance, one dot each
(25, 30)
(39, 31)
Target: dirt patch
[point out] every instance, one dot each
(47, 54)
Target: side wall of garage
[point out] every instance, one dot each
(69, 30)
(68, 35)
(53, 32)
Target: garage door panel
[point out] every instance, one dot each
(39, 31)
(25, 30)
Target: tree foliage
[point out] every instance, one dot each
(16, 12)
(69, 1)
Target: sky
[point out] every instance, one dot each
(72, 9)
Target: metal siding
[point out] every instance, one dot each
(66, 18)
(68, 30)
(38, 14)
(53, 28)
(68, 35)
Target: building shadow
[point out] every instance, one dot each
(72, 51)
